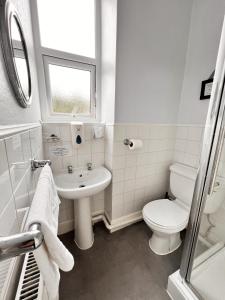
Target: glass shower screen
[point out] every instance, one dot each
(208, 270)
(203, 261)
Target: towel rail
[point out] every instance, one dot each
(21, 243)
(35, 164)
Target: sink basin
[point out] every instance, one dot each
(82, 183)
(80, 186)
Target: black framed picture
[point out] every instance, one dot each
(206, 89)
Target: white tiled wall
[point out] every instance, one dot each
(138, 176)
(8, 220)
(91, 150)
(17, 182)
(141, 175)
(188, 144)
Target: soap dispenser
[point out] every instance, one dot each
(77, 131)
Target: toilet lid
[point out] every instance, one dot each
(165, 213)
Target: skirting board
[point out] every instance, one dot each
(125, 221)
(68, 225)
(117, 224)
(65, 226)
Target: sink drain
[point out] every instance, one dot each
(82, 185)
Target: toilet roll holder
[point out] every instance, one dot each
(128, 142)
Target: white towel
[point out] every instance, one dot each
(52, 255)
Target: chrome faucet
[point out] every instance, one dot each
(70, 169)
(89, 166)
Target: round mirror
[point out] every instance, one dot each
(15, 54)
(19, 54)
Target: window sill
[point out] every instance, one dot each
(55, 120)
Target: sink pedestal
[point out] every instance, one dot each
(84, 237)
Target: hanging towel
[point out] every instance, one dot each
(52, 254)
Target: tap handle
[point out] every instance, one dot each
(89, 166)
(70, 168)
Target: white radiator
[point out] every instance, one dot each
(31, 285)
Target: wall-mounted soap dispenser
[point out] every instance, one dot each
(77, 131)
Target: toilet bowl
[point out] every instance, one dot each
(167, 218)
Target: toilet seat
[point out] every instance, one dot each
(166, 215)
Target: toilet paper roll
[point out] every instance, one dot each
(135, 144)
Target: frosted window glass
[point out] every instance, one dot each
(68, 25)
(70, 90)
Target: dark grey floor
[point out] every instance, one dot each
(120, 266)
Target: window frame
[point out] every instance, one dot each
(44, 55)
(49, 60)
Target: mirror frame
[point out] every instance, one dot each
(7, 12)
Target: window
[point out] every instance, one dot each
(68, 26)
(67, 42)
(70, 86)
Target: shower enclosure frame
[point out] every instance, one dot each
(212, 142)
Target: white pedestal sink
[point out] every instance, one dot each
(80, 186)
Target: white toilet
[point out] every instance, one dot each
(167, 218)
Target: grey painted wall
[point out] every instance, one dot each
(206, 25)
(10, 111)
(151, 50)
